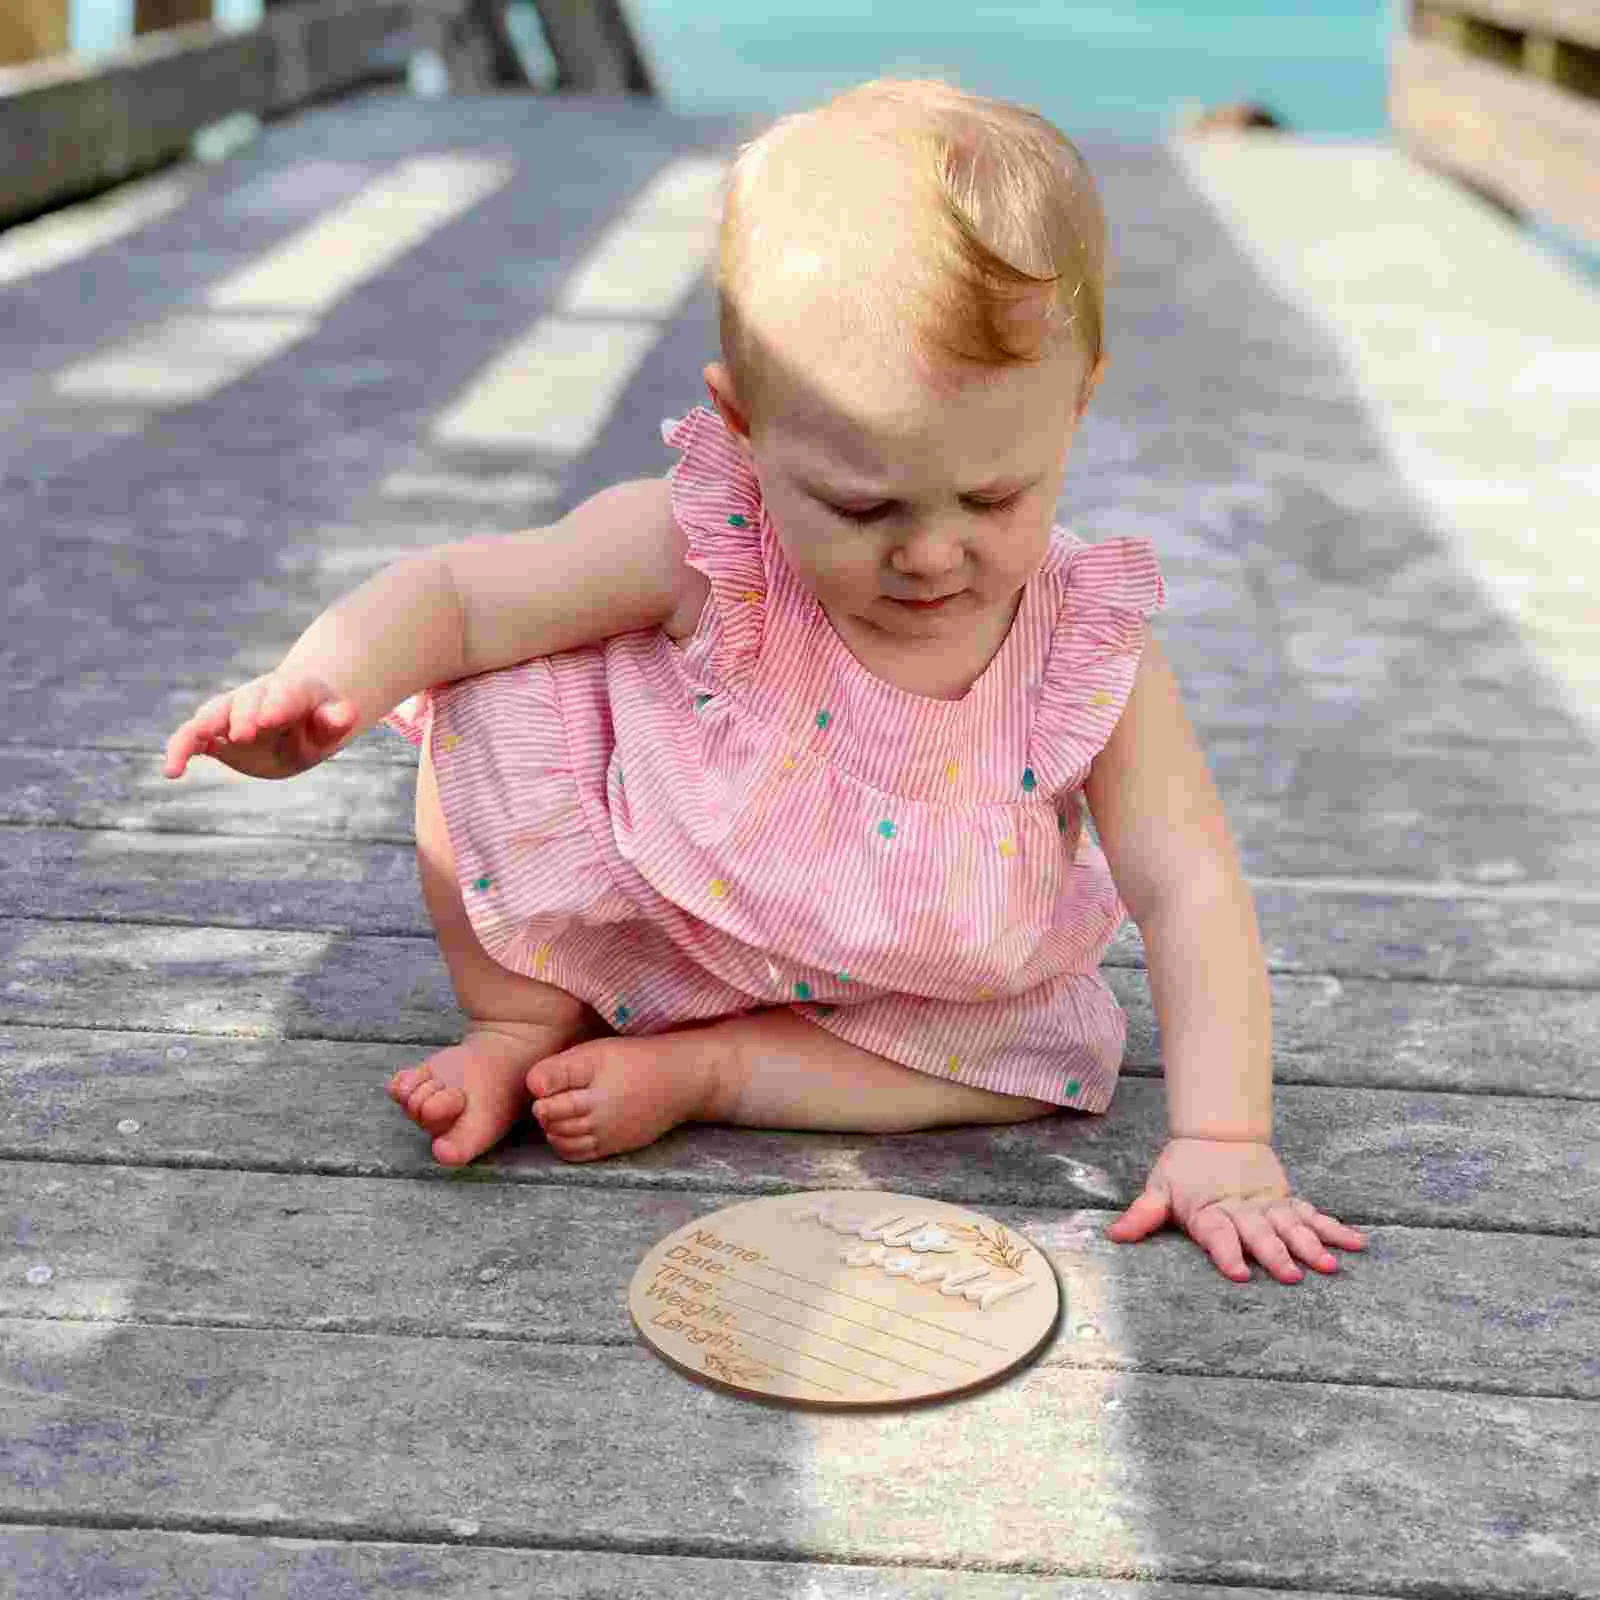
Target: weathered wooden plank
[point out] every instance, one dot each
(1349, 784)
(227, 880)
(1370, 1155)
(376, 1437)
(1567, 19)
(70, 1563)
(1531, 143)
(1421, 1308)
(142, 705)
(1328, 1030)
(1469, 933)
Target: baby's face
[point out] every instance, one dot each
(915, 510)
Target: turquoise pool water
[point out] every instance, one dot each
(1121, 70)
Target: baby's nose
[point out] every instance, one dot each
(928, 551)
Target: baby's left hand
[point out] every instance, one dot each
(1232, 1198)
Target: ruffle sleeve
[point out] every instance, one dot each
(1108, 590)
(716, 499)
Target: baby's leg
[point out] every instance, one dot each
(469, 1095)
(768, 1069)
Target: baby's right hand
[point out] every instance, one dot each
(272, 727)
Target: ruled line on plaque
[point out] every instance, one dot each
(806, 1355)
(832, 1338)
(878, 1305)
(801, 1378)
(839, 1316)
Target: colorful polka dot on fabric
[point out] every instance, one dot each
(1074, 1088)
(718, 889)
(450, 741)
(541, 959)
(622, 1013)
(1008, 847)
(751, 597)
(887, 828)
(701, 701)
(1029, 782)
(788, 763)
(843, 977)
(952, 1064)
(737, 521)
(484, 883)
(952, 770)
(802, 990)
(986, 993)
(1100, 698)
(1061, 822)
(823, 719)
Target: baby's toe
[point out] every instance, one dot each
(564, 1071)
(441, 1108)
(573, 1146)
(572, 1106)
(402, 1085)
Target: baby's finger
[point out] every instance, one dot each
(281, 703)
(333, 719)
(1214, 1231)
(1262, 1241)
(1144, 1216)
(245, 716)
(1330, 1230)
(1290, 1219)
(180, 746)
(212, 717)
(190, 738)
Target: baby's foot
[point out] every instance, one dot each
(610, 1095)
(469, 1095)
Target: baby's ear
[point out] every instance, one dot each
(719, 385)
(1091, 383)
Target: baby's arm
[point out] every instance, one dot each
(612, 565)
(1161, 823)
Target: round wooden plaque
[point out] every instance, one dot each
(845, 1298)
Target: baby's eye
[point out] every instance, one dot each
(861, 514)
(996, 505)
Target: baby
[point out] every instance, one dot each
(756, 793)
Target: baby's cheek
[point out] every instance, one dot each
(827, 568)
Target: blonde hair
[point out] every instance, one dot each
(1007, 255)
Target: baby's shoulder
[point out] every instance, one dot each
(1119, 572)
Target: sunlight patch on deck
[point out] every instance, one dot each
(262, 310)
(318, 266)
(184, 358)
(554, 388)
(76, 231)
(512, 490)
(1480, 353)
(1085, 1477)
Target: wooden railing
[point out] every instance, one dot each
(70, 127)
(1505, 96)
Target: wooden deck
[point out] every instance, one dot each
(255, 1343)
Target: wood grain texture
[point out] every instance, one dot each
(548, 1264)
(311, 1435)
(1532, 144)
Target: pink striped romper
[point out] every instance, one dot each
(749, 818)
